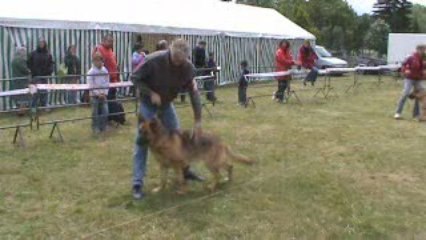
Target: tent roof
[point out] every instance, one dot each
(196, 17)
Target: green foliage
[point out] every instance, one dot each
(419, 19)
(377, 36)
(364, 23)
(396, 13)
(323, 19)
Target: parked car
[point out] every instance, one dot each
(326, 59)
(365, 61)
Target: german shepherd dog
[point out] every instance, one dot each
(176, 149)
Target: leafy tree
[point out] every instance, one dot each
(377, 36)
(394, 12)
(333, 22)
(363, 24)
(333, 17)
(419, 18)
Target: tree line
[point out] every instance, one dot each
(337, 26)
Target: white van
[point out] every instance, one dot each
(326, 59)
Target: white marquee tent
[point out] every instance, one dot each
(234, 32)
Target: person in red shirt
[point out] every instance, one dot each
(110, 61)
(307, 59)
(412, 69)
(283, 61)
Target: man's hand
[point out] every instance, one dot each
(155, 99)
(407, 72)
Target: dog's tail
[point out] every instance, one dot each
(238, 157)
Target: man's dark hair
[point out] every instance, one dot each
(202, 43)
(211, 54)
(244, 63)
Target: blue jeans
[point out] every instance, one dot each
(167, 115)
(71, 96)
(99, 115)
(408, 87)
(312, 75)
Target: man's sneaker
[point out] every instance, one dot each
(274, 96)
(137, 192)
(397, 116)
(189, 175)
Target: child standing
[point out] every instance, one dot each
(98, 79)
(138, 56)
(243, 84)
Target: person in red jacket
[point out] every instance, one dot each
(307, 59)
(283, 61)
(412, 69)
(110, 61)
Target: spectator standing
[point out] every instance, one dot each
(41, 64)
(209, 85)
(138, 56)
(115, 108)
(110, 62)
(243, 84)
(73, 65)
(284, 62)
(20, 74)
(199, 60)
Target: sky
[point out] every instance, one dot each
(365, 6)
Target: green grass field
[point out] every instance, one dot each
(340, 168)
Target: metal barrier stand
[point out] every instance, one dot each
(18, 136)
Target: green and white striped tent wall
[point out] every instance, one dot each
(229, 52)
